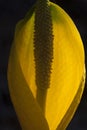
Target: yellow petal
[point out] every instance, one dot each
(67, 79)
(27, 109)
(68, 70)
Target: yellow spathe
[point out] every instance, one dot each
(67, 78)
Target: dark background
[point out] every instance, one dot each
(11, 11)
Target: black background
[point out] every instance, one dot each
(11, 11)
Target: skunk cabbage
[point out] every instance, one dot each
(46, 69)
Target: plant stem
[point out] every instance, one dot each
(41, 98)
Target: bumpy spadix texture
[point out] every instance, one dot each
(43, 44)
(67, 76)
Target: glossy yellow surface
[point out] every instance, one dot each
(67, 79)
